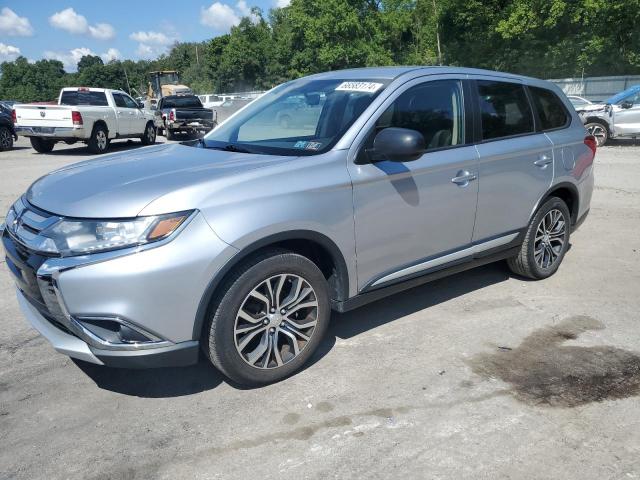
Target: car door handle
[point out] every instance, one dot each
(463, 178)
(543, 161)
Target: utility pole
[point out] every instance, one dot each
(127, 79)
(435, 14)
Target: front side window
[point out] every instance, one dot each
(504, 109)
(129, 102)
(119, 100)
(551, 111)
(435, 109)
(302, 117)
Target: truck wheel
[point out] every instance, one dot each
(268, 318)
(41, 145)
(598, 130)
(170, 135)
(545, 243)
(149, 135)
(99, 141)
(6, 139)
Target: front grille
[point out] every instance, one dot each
(24, 263)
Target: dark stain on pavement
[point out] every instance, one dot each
(543, 371)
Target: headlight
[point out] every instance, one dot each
(78, 237)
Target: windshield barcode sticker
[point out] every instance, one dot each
(367, 87)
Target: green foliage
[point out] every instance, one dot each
(544, 38)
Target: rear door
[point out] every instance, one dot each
(516, 161)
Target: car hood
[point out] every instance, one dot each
(123, 184)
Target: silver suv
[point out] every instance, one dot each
(242, 244)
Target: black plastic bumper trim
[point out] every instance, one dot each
(178, 355)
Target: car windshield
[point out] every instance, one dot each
(302, 117)
(618, 97)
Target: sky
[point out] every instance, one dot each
(67, 30)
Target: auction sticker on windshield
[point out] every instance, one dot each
(367, 87)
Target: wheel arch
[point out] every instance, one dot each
(593, 119)
(100, 123)
(566, 191)
(316, 246)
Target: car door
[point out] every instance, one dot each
(412, 217)
(516, 161)
(123, 114)
(627, 115)
(136, 115)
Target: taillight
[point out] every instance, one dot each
(590, 141)
(76, 118)
(14, 119)
(172, 116)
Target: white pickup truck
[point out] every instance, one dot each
(94, 116)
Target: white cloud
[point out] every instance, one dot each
(243, 8)
(151, 44)
(8, 52)
(13, 25)
(111, 54)
(70, 59)
(219, 16)
(282, 3)
(72, 22)
(102, 31)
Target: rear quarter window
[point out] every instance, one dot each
(97, 99)
(551, 111)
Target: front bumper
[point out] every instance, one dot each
(151, 292)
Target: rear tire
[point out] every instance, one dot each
(6, 139)
(545, 243)
(170, 135)
(99, 141)
(149, 135)
(41, 145)
(246, 305)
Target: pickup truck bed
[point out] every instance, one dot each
(183, 114)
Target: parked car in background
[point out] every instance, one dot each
(243, 245)
(7, 130)
(94, 116)
(210, 101)
(616, 117)
(183, 114)
(578, 102)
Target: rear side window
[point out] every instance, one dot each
(550, 108)
(83, 97)
(504, 109)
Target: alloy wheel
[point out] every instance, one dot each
(550, 238)
(5, 139)
(101, 139)
(276, 321)
(599, 132)
(151, 134)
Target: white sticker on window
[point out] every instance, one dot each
(367, 87)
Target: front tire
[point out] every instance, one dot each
(546, 241)
(99, 141)
(149, 135)
(599, 130)
(41, 145)
(268, 319)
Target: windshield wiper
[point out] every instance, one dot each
(230, 147)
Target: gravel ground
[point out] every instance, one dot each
(480, 375)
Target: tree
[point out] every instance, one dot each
(89, 61)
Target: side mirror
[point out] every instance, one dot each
(626, 105)
(398, 145)
(141, 105)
